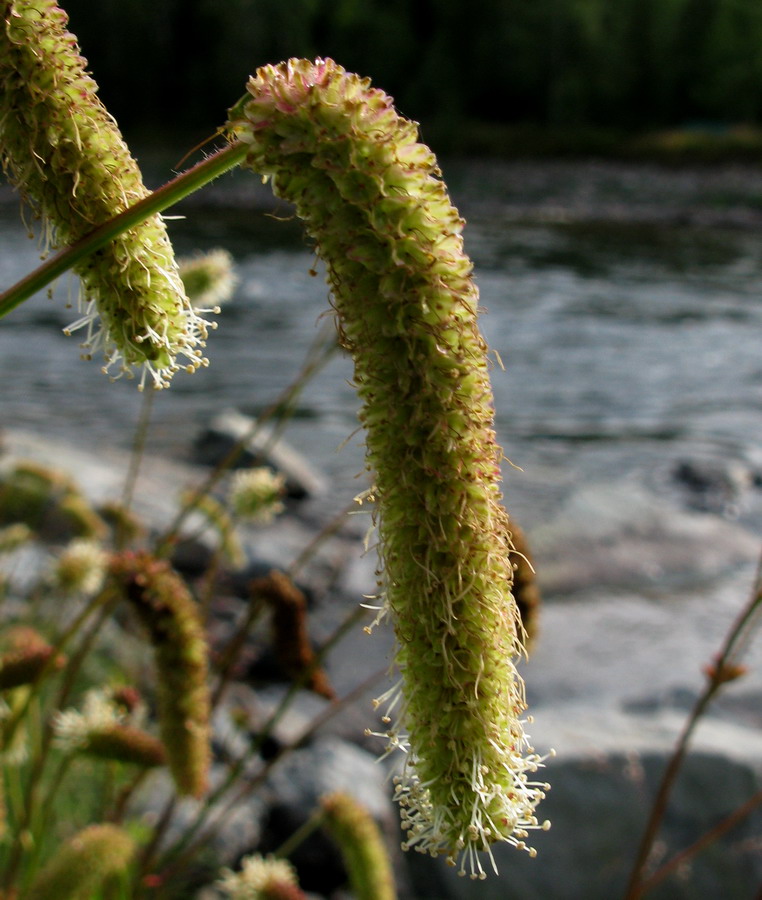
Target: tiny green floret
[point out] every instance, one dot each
(372, 198)
(63, 151)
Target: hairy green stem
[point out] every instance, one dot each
(172, 192)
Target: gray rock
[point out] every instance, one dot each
(262, 447)
(232, 829)
(620, 536)
(331, 764)
(712, 485)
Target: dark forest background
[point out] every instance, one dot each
(630, 65)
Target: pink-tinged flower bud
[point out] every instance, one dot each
(171, 617)
(82, 865)
(362, 847)
(64, 152)
(372, 199)
(23, 655)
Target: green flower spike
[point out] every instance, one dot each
(373, 201)
(64, 152)
(171, 618)
(47, 501)
(83, 864)
(362, 847)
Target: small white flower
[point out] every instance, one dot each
(73, 727)
(81, 568)
(255, 494)
(258, 874)
(209, 279)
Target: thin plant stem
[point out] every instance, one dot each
(738, 815)
(236, 769)
(34, 783)
(319, 354)
(300, 835)
(167, 195)
(72, 669)
(230, 653)
(125, 795)
(136, 457)
(328, 530)
(148, 851)
(43, 814)
(717, 676)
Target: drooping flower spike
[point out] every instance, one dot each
(372, 199)
(362, 847)
(290, 635)
(63, 151)
(171, 618)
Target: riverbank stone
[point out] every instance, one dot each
(260, 445)
(639, 593)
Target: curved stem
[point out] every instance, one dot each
(696, 847)
(167, 195)
(717, 674)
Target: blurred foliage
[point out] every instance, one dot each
(620, 64)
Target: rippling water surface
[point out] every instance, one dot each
(630, 336)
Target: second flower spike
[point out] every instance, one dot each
(372, 198)
(64, 153)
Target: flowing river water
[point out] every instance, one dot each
(624, 302)
(626, 305)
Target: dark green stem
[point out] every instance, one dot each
(172, 192)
